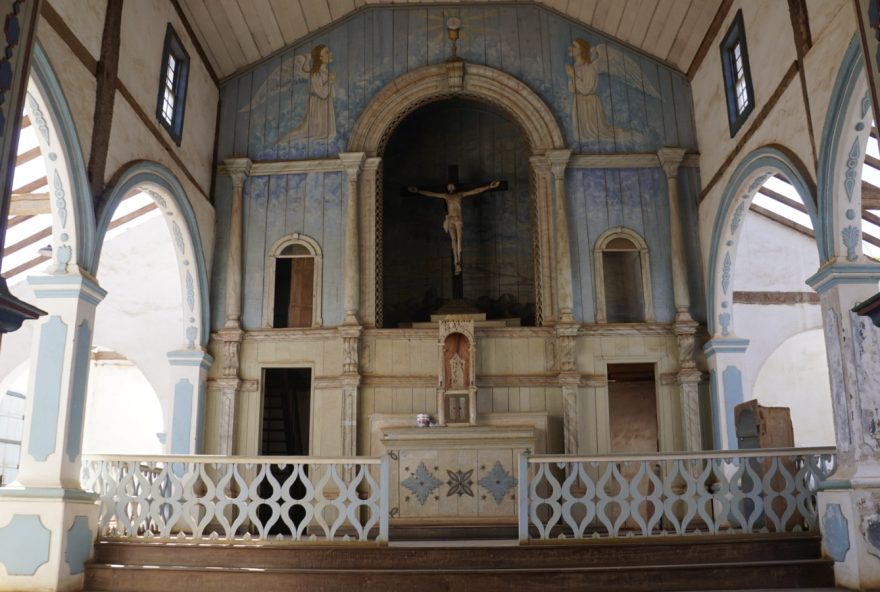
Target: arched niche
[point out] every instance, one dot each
(70, 201)
(621, 239)
(434, 83)
(293, 245)
(747, 178)
(168, 194)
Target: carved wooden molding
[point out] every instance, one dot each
(287, 167)
(625, 161)
(745, 297)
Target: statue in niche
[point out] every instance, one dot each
(319, 119)
(456, 355)
(453, 223)
(587, 111)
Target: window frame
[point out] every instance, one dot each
(173, 47)
(736, 35)
(272, 255)
(599, 265)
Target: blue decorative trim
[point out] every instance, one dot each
(47, 389)
(833, 274)
(737, 217)
(731, 345)
(181, 418)
(851, 236)
(725, 272)
(715, 405)
(79, 545)
(835, 533)
(77, 412)
(724, 321)
(498, 481)
(136, 174)
(190, 358)
(852, 173)
(200, 419)
(80, 287)
(84, 219)
(766, 157)
(731, 378)
(835, 126)
(422, 483)
(24, 545)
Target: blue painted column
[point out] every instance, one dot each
(189, 374)
(726, 357)
(45, 507)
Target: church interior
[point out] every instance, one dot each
(315, 294)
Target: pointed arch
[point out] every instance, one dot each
(73, 215)
(749, 176)
(841, 156)
(167, 192)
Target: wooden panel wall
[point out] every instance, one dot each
(372, 48)
(599, 199)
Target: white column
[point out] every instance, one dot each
(850, 511)
(352, 162)
(726, 357)
(670, 159)
(189, 372)
(558, 160)
(238, 169)
(47, 523)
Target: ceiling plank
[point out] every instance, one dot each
(229, 38)
(696, 22)
(584, 11)
(641, 11)
(709, 38)
(660, 38)
(32, 186)
(608, 14)
(316, 12)
(560, 5)
(242, 33)
(215, 43)
(260, 21)
(340, 8)
(290, 19)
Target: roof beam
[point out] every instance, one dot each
(782, 220)
(767, 192)
(45, 233)
(25, 266)
(32, 186)
(28, 156)
(870, 196)
(29, 204)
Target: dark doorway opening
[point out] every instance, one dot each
(285, 432)
(632, 408)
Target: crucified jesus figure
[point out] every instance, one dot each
(453, 222)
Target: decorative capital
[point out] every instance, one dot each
(79, 285)
(229, 335)
(188, 357)
(352, 163)
(237, 168)
(558, 160)
(670, 160)
(833, 273)
(726, 345)
(372, 163)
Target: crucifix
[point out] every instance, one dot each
(453, 223)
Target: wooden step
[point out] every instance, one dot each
(664, 563)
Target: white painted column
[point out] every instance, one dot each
(186, 423)
(685, 328)
(368, 249)
(352, 162)
(238, 169)
(850, 511)
(47, 523)
(726, 357)
(558, 160)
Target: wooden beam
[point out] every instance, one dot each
(25, 121)
(767, 192)
(29, 204)
(105, 95)
(16, 220)
(872, 218)
(782, 220)
(32, 186)
(769, 297)
(25, 266)
(132, 215)
(870, 196)
(45, 233)
(27, 156)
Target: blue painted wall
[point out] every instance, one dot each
(260, 107)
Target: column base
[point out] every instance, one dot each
(46, 536)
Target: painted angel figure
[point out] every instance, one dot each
(319, 119)
(587, 111)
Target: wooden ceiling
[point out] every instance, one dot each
(237, 33)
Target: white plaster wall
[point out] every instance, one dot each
(772, 257)
(795, 375)
(86, 19)
(123, 415)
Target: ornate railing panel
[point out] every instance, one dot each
(218, 498)
(770, 490)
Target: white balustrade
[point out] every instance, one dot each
(217, 498)
(742, 491)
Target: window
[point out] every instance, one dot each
(623, 280)
(293, 283)
(737, 76)
(172, 85)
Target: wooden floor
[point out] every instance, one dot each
(661, 564)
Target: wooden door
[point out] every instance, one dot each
(302, 279)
